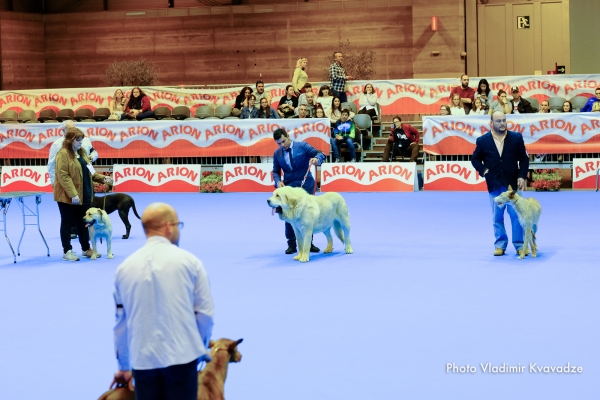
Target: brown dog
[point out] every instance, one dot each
(117, 201)
(211, 380)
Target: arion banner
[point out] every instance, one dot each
(157, 178)
(25, 179)
(248, 178)
(452, 176)
(554, 133)
(369, 177)
(584, 172)
(170, 138)
(401, 96)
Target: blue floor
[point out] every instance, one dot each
(421, 290)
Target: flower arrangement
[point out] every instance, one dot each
(211, 182)
(546, 179)
(103, 187)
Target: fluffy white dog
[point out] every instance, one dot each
(312, 214)
(99, 224)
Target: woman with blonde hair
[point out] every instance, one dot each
(300, 76)
(457, 107)
(117, 105)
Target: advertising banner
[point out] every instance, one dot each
(456, 176)
(25, 179)
(369, 177)
(157, 178)
(248, 178)
(584, 172)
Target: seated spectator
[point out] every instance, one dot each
(305, 90)
(483, 92)
(590, 103)
(117, 105)
(303, 99)
(266, 111)
(445, 110)
(300, 76)
(404, 139)
(302, 112)
(501, 104)
(260, 93)
(343, 132)
(287, 103)
(241, 101)
(545, 107)
(324, 98)
(478, 107)
(518, 104)
(319, 112)
(310, 103)
(456, 106)
(596, 107)
(249, 111)
(367, 101)
(567, 106)
(335, 111)
(138, 107)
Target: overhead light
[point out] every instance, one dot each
(135, 13)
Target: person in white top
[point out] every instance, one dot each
(86, 144)
(325, 98)
(300, 76)
(165, 312)
(367, 101)
(457, 106)
(478, 107)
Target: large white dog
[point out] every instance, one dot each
(98, 222)
(312, 214)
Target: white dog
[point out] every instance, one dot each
(528, 211)
(98, 222)
(312, 214)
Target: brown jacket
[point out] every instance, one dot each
(69, 177)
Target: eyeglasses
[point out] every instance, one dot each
(179, 224)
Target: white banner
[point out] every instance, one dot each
(248, 177)
(157, 178)
(26, 179)
(452, 176)
(584, 172)
(369, 177)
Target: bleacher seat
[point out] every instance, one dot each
(162, 112)
(84, 113)
(27, 116)
(204, 112)
(65, 114)
(181, 112)
(101, 114)
(9, 116)
(556, 103)
(47, 115)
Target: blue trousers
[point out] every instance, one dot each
(498, 221)
(177, 382)
(350, 142)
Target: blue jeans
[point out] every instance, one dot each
(341, 95)
(139, 117)
(334, 149)
(498, 221)
(350, 142)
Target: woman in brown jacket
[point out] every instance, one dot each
(73, 191)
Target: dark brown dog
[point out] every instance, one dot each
(117, 201)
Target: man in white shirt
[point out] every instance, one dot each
(86, 144)
(164, 312)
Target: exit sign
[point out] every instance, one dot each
(523, 22)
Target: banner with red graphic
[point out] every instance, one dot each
(25, 179)
(157, 178)
(401, 96)
(248, 178)
(168, 138)
(584, 172)
(369, 177)
(456, 176)
(554, 133)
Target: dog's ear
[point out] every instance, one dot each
(234, 343)
(510, 189)
(211, 344)
(291, 201)
(102, 215)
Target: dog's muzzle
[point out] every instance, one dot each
(277, 210)
(92, 222)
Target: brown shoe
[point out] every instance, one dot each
(499, 251)
(88, 253)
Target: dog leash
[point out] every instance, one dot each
(306, 176)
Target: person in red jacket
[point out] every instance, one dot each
(404, 139)
(138, 107)
(466, 93)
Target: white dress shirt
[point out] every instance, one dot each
(86, 144)
(164, 307)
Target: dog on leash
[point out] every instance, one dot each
(99, 224)
(529, 211)
(312, 214)
(211, 380)
(117, 201)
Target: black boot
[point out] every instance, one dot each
(314, 249)
(291, 247)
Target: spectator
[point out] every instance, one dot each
(164, 312)
(287, 103)
(404, 139)
(518, 104)
(138, 107)
(344, 133)
(266, 111)
(456, 105)
(302, 112)
(545, 107)
(501, 104)
(310, 103)
(483, 92)
(324, 98)
(300, 76)
(445, 109)
(338, 77)
(74, 191)
(305, 90)
(596, 107)
(319, 112)
(465, 93)
(249, 111)
(241, 101)
(260, 93)
(367, 102)
(567, 107)
(478, 107)
(117, 105)
(335, 111)
(588, 106)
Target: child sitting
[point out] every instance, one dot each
(343, 132)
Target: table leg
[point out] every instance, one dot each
(5, 204)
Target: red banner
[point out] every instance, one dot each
(25, 179)
(157, 178)
(368, 177)
(452, 176)
(248, 178)
(585, 172)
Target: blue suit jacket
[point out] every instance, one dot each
(505, 170)
(302, 153)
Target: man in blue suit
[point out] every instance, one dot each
(500, 157)
(293, 158)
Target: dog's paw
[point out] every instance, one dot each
(328, 249)
(297, 257)
(303, 259)
(93, 257)
(111, 255)
(349, 250)
(522, 256)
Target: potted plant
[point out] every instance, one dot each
(546, 180)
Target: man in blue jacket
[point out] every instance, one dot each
(590, 103)
(293, 158)
(500, 157)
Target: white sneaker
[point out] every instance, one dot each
(337, 160)
(352, 160)
(70, 256)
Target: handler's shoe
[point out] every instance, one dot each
(520, 250)
(291, 250)
(88, 253)
(499, 251)
(70, 256)
(314, 249)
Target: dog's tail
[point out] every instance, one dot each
(337, 227)
(133, 206)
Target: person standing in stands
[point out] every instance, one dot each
(138, 107)
(338, 77)
(466, 93)
(300, 77)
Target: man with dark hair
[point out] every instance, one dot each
(338, 77)
(293, 159)
(518, 104)
(590, 103)
(260, 94)
(500, 157)
(466, 93)
(404, 140)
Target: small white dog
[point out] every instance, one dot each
(312, 214)
(529, 211)
(99, 224)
